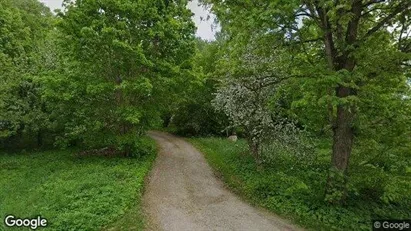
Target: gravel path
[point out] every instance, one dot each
(183, 194)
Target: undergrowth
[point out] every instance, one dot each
(72, 191)
(296, 191)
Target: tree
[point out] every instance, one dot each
(194, 114)
(334, 38)
(23, 30)
(246, 96)
(125, 60)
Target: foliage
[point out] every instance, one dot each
(23, 31)
(73, 191)
(122, 68)
(348, 59)
(135, 147)
(195, 115)
(295, 190)
(94, 75)
(286, 74)
(246, 96)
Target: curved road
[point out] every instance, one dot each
(183, 194)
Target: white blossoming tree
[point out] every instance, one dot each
(245, 96)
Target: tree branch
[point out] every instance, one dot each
(313, 12)
(399, 9)
(304, 14)
(304, 41)
(367, 4)
(325, 25)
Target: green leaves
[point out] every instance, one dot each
(107, 68)
(129, 55)
(23, 31)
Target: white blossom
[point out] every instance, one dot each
(244, 96)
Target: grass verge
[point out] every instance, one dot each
(293, 191)
(74, 192)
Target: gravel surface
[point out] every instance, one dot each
(183, 194)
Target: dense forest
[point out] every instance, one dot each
(319, 93)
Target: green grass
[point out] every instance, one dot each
(293, 190)
(73, 192)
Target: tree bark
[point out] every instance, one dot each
(254, 147)
(343, 133)
(343, 136)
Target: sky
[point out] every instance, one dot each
(204, 27)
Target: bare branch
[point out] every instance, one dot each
(304, 41)
(304, 14)
(367, 4)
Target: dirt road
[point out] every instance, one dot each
(183, 194)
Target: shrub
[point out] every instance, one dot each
(296, 190)
(133, 146)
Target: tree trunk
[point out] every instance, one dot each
(343, 138)
(343, 133)
(255, 150)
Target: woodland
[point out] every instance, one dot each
(318, 92)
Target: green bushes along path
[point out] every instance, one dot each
(294, 191)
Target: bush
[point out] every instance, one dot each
(296, 190)
(196, 119)
(133, 146)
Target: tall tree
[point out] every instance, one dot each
(335, 37)
(23, 30)
(127, 59)
(194, 114)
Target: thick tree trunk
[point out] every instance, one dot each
(343, 140)
(342, 146)
(343, 132)
(339, 58)
(343, 137)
